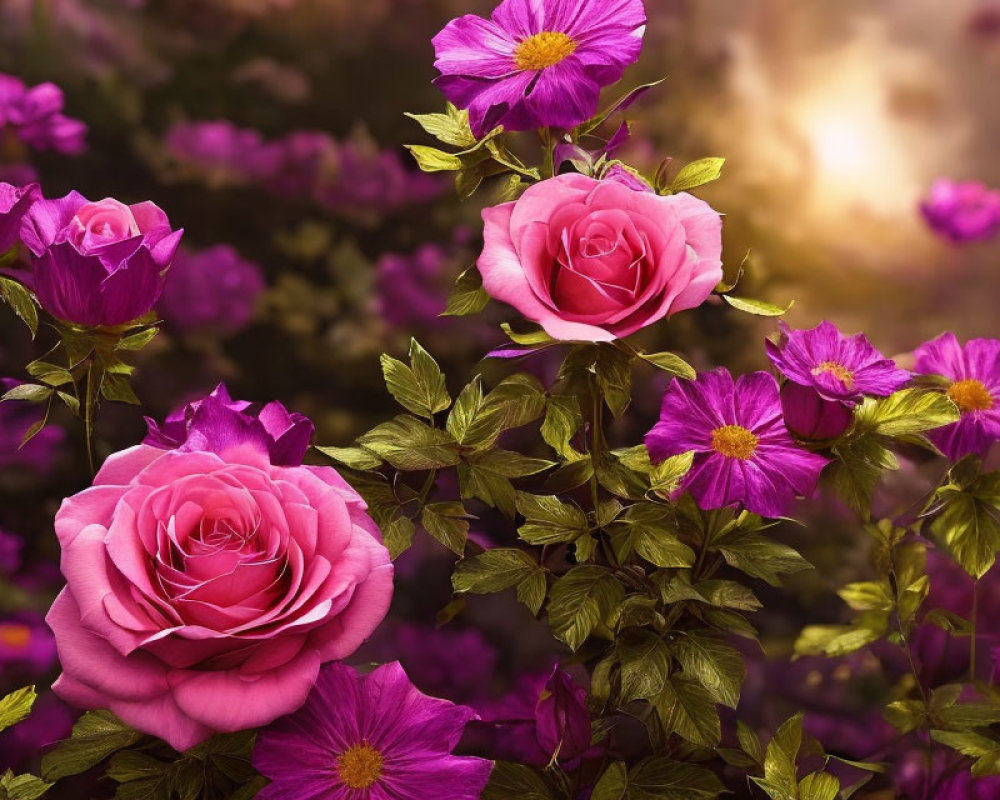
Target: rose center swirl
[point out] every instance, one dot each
(734, 441)
(360, 766)
(839, 371)
(543, 50)
(970, 395)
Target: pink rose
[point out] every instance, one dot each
(595, 260)
(206, 588)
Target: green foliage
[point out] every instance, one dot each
(582, 600)
(467, 296)
(21, 787)
(697, 173)
(16, 706)
(409, 444)
(21, 302)
(758, 308)
(966, 518)
(510, 780)
(420, 387)
(96, 735)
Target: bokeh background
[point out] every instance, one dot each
(272, 131)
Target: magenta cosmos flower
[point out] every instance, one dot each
(101, 263)
(537, 63)
(205, 587)
(743, 452)
(828, 373)
(370, 738)
(595, 260)
(962, 211)
(974, 372)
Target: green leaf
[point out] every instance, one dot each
(354, 457)
(715, 665)
(659, 778)
(451, 128)
(750, 742)
(468, 296)
(22, 787)
(430, 159)
(986, 751)
(697, 173)
(513, 465)
(971, 531)
(759, 308)
(855, 471)
(868, 596)
(666, 476)
(645, 665)
(906, 715)
(836, 640)
(446, 522)
(490, 487)
(493, 571)
(29, 392)
(652, 528)
(779, 759)
(968, 715)
(16, 706)
(906, 412)
(761, 557)
(466, 409)
(532, 590)
(612, 784)
(530, 338)
(549, 520)
(21, 301)
(116, 387)
(134, 766)
(668, 362)
(580, 601)
(96, 735)
(419, 388)
(687, 709)
(562, 421)
(728, 594)
(509, 781)
(137, 341)
(516, 401)
(819, 786)
(409, 444)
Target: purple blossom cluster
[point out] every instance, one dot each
(34, 117)
(349, 177)
(962, 211)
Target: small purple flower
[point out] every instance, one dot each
(304, 160)
(561, 717)
(34, 116)
(743, 452)
(223, 152)
(99, 263)
(26, 645)
(217, 423)
(14, 204)
(214, 291)
(962, 211)
(369, 738)
(412, 290)
(537, 64)
(828, 374)
(974, 372)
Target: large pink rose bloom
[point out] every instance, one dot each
(206, 588)
(596, 260)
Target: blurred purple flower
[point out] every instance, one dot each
(743, 453)
(18, 174)
(14, 204)
(10, 552)
(100, 263)
(34, 116)
(50, 721)
(369, 737)
(962, 211)
(27, 646)
(974, 372)
(412, 290)
(537, 64)
(214, 291)
(41, 453)
(304, 159)
(222, 151)
(217, 422)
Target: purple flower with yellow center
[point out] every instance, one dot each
(369, 738)
(974, 375)
(743, 452)
(828, 373)
(26, 643)
(537, 63)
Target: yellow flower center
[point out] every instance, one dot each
(360, 766)
(15, 636)
(734, 441)
(970, 395)
(840, 372)
(543, 50)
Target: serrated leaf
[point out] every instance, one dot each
(855, 471)
(493, 571)
(134, 766)
(532, 590)
(819, 786)
(549, 520)
(16, 706)
(728, 594)
(21, 302)
(658, 778)
(906, 412)
(96, 735)
(668, 362)
(22, 787)
(905, 715)
(409, 444)
(750, 742)
(761, 557)
(645, 665)
(715, 665)
(779, 758)
(516, 780)
(580, 601)
(516, 401)
(446, 523)
(653, 536)
(492, 488)
(562, 421)
(666, 476)
(467, 296)
(28, 392)
(137, 341)
(420, 387)
(354, 457)
(687, 709)
(697, 173)
(431, 159)
(451, 128)
(612, 783)
(465, 410)
(116, 387)
(836, 640)
(970, 530)
(759, 308)
(398, 536)
(868, 596)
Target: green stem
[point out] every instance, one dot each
(548, 163)
(90, 404)
(597, 441)
(972, 639)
